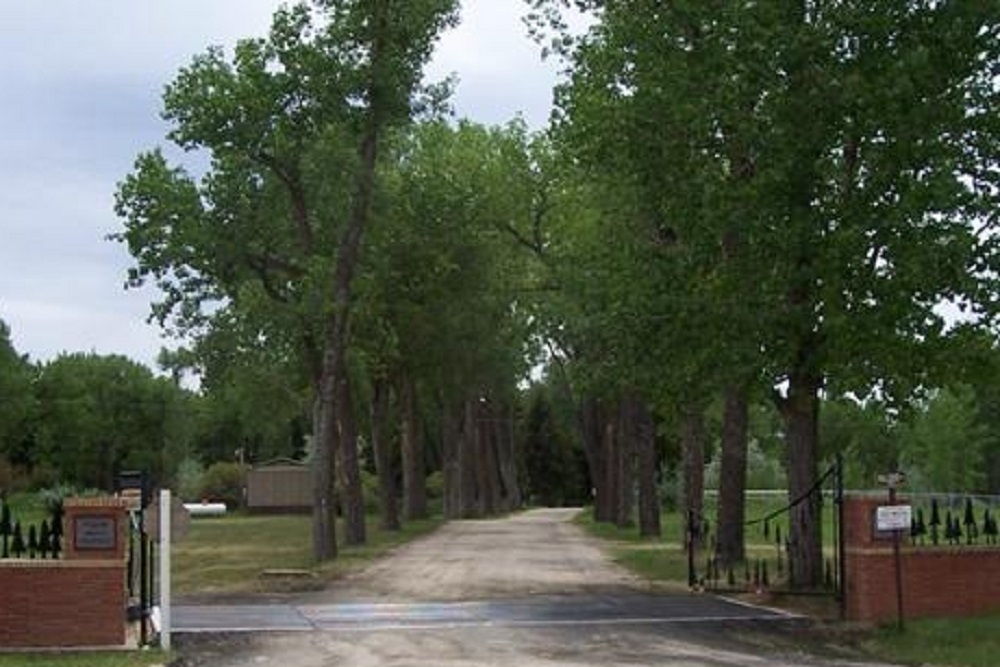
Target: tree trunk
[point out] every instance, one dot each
(623, 469)
(352, 494)
(467, 463)
(506, 452)
(490, 486)
(644, 432)
(382, 446)
(412, 454)
(730, 546)
(692, 482)
(450, 466)
(335, 381)
(800, 412)
(324, 512)
(592, 432)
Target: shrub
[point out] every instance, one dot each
(369, 489)
(223, 483)
(188, 480)
(435, 486)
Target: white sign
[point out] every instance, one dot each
(893, 517)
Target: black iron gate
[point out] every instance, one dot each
(139, 571)
(768, 564)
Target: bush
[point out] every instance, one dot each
(188, 480)
(369, 489)
(435, 486)
(223, 483)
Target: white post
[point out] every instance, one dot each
(165, 521)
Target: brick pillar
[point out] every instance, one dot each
(95, 529)
(870, 567)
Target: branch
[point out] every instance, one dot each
(532, 245)
(264, 266)
(297, 196)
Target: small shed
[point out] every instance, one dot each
(281, 486)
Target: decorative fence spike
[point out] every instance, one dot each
(6, 530)
(32, 541)
(971, 531)
(44, 540)
(17, 546)
(935, 522)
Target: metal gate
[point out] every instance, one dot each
(140, 579)
(768, 563)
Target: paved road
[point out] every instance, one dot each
(528, 591)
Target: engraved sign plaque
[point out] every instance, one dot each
(94, 533)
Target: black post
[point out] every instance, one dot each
(139, 480)
(899, 563)
(143, 581)
(692, 575)
(841, 540)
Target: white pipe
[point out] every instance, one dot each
(205, 509)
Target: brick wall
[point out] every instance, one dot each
(75, 602)
(937, 581)
(49, 603)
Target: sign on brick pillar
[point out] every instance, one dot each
(95, 529)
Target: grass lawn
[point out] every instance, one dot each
(958, 642)
(663, 559)
(85, 659)
(961, 642)
(227, 555)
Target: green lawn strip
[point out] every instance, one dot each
(227, 555)
(86, 659)
(952, 642)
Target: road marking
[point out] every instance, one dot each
(771, 610)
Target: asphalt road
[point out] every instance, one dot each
(528, 591)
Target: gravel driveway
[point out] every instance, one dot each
(531, 590)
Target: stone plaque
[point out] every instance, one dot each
(94, 533)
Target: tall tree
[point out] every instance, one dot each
(274, 232)
(853, 149)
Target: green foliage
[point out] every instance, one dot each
(944, 446)
(188, 480)
(245, 254)
(867, 436)
(223, 482)
(435, 486)
(16, 403)
(763, 471)
(554, 464)
(369, 489)
(98, 415)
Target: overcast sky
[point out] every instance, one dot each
(80, 87)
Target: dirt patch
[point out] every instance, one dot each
(533, 553)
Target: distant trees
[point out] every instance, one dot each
(16, 403)
(81, 418)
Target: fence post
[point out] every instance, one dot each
(841, 539)
(165, 522)
(690, 540)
